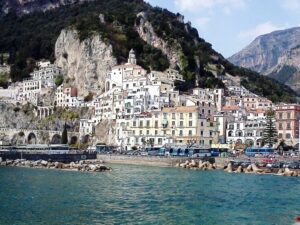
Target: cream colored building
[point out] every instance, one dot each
(170, 125)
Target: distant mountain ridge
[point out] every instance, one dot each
(276, 55)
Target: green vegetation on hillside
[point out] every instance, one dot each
(32, 37)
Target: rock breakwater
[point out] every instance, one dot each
(252, 168)
(83, 165)
(197, 165)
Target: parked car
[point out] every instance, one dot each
(291, 165)
(245, 164)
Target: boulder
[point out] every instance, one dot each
(267, 170)
(280, 172)
(229, 168)
(239, 169)
(44, 163)
(256, 169)
(1, 160)
(177, 165)
(58, 165)
(93, 168)
(248, 169)
(193, 163)
(210, 166)
(287, 172)
(27, 163)
(72, 164)
(9, 162)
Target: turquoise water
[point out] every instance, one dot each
(146, 195)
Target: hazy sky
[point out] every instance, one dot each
(230, 25)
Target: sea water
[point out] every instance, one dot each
(146, 195)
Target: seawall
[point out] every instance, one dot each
(144, 160)
(65, 158)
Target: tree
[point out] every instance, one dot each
(59, 80)
(64, 135)
(270, 132)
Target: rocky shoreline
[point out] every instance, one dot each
(82, 165)
(252, 168)
(200, 165)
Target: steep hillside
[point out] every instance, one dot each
(276, 54)
(159, 37)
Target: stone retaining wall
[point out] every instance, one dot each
(142, 160)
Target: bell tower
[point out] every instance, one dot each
(131, 57)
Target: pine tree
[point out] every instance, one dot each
(270, 132)
(64, 135)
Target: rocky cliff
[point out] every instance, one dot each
(276, 54)
(147, 33)
(21, 7)
(84, 63)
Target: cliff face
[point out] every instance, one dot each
(276, 54)
(264, 53)
(147, 33)
(84, 64)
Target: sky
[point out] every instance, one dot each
(230, 25)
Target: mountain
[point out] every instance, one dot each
(21, 7)
(276, 55)
(86, 38)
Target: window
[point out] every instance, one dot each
(148, 123)
(210, 133)
(173, 116)
(288, 115)
(156, 124)
(201, 124)
(147, 132)
(159, 140)
(173, 132)
(180, 133)
(280, 126)
(181, 123)
(134, 124)
(190, 132)
(173, 123)
(156, 132)
(288, 136)
(165, 132)
(280, 135)
(165, 115)
(280, 115)
(201, 132)
(190, 123)
(141, 123)
(141, 132)
(181, 115)
(190, 115)
(210, 142)
(288, 126)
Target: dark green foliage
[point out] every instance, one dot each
(270, 132)
(284, 74)
(64, 135)
(33, 37)
(89, 97)
(59, 80)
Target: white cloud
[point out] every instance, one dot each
(202, 22)
(260, 29)
(197, 5)
(291, 5)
